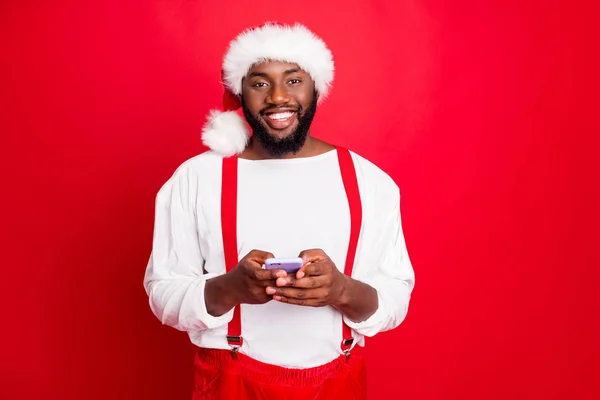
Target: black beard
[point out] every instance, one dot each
(293, 142)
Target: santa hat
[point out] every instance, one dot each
(225, 131)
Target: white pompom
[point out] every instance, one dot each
(225, 133)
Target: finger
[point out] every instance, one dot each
(308, 257)
(312, 255)
(298, 294)
(266, 283)
(257, 259)
(288, 280)
(260, 274)
(305, 283)
(301, 273)
(259, 256)
(308, 270)
(301, 302)
(317, 269)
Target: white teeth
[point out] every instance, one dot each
(280, 116)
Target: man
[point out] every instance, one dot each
(265, 333)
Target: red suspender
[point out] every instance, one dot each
(353, 194)
(229, 228)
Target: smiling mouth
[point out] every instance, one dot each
(280, 120)
(282, 116)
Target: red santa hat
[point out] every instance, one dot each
(225, 131)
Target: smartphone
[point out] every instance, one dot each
(289, 265)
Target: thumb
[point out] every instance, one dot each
(308, 257)
(311, 256)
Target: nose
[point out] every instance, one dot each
(278, 95)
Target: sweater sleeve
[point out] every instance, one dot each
(175, 278)
(391, 273)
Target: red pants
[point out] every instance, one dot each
(219, 376)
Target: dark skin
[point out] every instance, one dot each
(271, 87)
(244, 284)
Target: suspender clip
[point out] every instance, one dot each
(234, 340)
(346, 344)
(234, 350)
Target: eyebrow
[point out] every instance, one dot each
(258, 74)
(265, 75)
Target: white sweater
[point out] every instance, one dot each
(284, 207)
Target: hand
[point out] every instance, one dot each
(318, 283)
(248, 279)
(245, 283)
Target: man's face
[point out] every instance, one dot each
(279, 103)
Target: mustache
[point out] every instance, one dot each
(296, 108)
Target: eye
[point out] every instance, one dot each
(295, 81)
(259, 84)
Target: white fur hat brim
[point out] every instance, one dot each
(293, 44)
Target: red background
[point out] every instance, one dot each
(481, 110)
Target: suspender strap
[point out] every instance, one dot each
(229, 186)
(352, 192)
